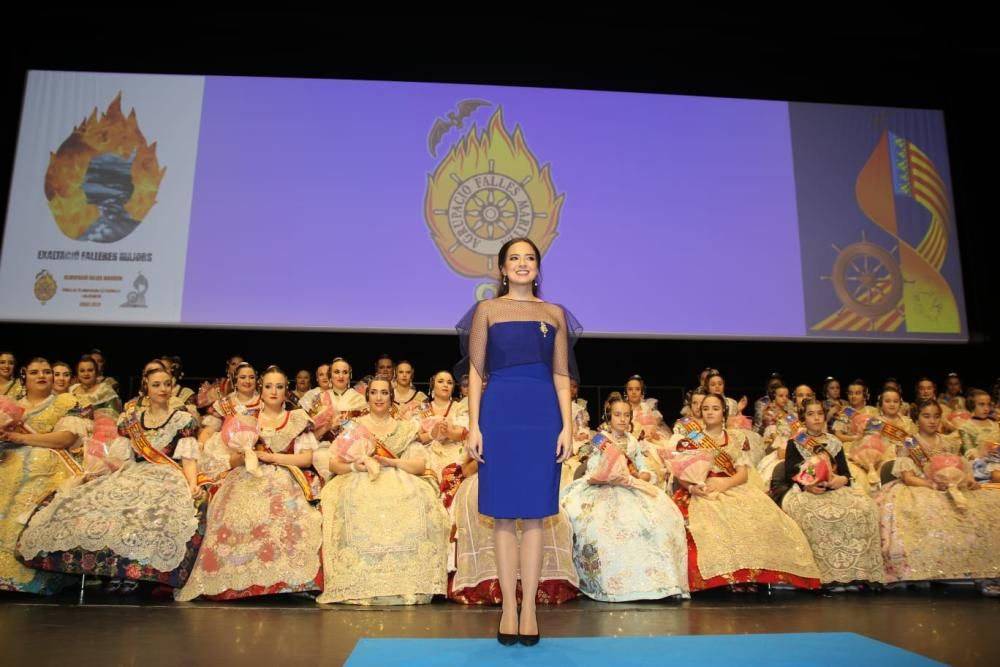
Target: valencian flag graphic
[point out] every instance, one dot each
(895, 266)
(874, 295)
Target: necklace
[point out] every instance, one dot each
(269, 420)
(380, 423)
(446, 410)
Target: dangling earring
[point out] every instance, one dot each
(534, 284)
(505, 280)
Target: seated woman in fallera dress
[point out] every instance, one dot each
(37, 456)
(889, 428)
(893, 384)
(10, 385)
(303, 383)
(781, 423)
(980, 428)
(443, 424)
(647, 420)
(926, 390)
(262, 536)
(832, 401)
(581, 434)
(714, 383)
(408, 398)
(142, 522)
(330, 407)
(954, 394)
(322, 377)
(648, 425)
(184, 395)
(62, 377)
(839, 520)
(209, 392)
(933, 530)
(176, 403)
(91, 393)
(385, 531)
(628, 543)
(736, 535)
(244, 401)
(848, 423)
(689, 423)
(761, 404)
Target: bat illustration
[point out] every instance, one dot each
(441, 126)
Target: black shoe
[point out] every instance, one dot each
(525, 640)
(504, 638)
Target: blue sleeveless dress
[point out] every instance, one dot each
(519, 415)
(520, 421)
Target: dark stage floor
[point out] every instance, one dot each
(950, 624)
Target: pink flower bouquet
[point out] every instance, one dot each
(612, 468)
(11, 413)
(948, 470)
(95, 452)
(869, 454)
(240, 433)
(814, 470)
(692, 466)
(356, 444)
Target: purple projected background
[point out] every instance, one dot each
(308, 208)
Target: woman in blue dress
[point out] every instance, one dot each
(520, 431)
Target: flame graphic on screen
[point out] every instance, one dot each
(506, 194)
(112, 134)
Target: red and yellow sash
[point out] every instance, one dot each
(451, 479)
(64, 455)
(142, 446)
(300, 478)
(67, 460)
(889, 430)
(601, 442)
(794, 425)
(916, 452)
(722, 459)
(227, 406)
(807, 441)
(383, 451)
(815, 446)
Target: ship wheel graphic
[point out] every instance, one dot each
(867, 279)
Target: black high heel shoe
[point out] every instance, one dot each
(529, 640)
(503, 637)
(526, 640)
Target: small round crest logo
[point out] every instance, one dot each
(45, 286)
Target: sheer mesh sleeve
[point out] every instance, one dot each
(473, 330)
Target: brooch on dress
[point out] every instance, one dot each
(544, 329)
